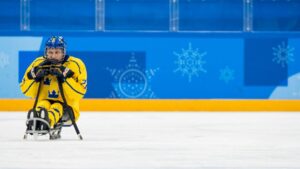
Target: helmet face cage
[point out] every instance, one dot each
(56, 42)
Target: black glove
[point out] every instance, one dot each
(37, 73)
(61, 73)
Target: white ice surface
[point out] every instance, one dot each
(158, 141)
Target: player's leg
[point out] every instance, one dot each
(43, 104)
(55, 113)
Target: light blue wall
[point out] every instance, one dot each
(9, 59)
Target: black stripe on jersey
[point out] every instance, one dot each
(29, 87)
(76, 64)
(57, 111)
(74, 89)
(53, 116)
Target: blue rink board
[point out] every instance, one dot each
(180, 67)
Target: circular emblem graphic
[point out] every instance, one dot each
(132, 83)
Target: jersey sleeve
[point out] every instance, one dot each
(76, 86)
(28, 86)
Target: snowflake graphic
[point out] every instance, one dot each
(283, 54)
(190, 62)
(226, 74)
(132, 82)
(4, 60)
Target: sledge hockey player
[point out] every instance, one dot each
(52, 80)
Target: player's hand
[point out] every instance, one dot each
(37, 73)
(62, 73)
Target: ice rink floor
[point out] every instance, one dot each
(145, 140)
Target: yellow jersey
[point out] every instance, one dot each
(74, 87)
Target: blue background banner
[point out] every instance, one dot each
(181, 67)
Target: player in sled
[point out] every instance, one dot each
(57, 81)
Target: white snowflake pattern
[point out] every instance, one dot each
(190, 62)
(284, 54)
(132, 82)
(226, 74)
